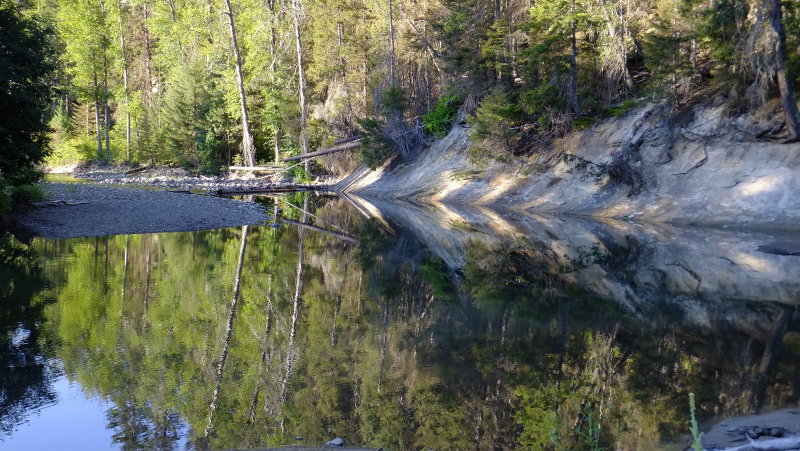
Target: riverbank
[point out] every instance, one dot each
(704, 164)
(80, 210)
(180, 179)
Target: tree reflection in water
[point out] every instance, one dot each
(383, 342)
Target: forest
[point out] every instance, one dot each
(213, 83)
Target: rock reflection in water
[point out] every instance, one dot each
(436, 328)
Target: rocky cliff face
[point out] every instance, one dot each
(703, 165)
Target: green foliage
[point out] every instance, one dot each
(494, 52)
(394, 100)
(299, 174)
(440, 117)
(26, 70)
(12, 195)
(26, 194)
(463, 29)
(69, 150)
(193, 120)
(621, 109)
(435, 273)
(375, 146)
(491, 132)
(541, 100)
(721, 28)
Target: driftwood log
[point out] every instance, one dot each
(139, 169)
(347, 140)
(55, 203)
(264, 190)
(334, 149)
(255, 168)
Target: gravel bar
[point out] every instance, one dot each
(80, 210)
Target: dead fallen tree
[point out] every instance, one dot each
(291, 188)
(55, 203)
(334, 149)
(136, 170)
(255, 168)
(347, 140)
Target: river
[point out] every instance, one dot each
(391, 325)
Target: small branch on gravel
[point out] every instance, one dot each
(55, 203)
(135, 170)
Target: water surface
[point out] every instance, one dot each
(394, 326)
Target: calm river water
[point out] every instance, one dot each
(394, 326)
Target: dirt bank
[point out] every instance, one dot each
(704, 165)
(80, 210)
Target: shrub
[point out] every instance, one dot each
(394, 100)
(375, 146)
(73, 150)
(15, 195)
(492, 131)
(439, 118)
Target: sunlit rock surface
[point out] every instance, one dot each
(703, 166)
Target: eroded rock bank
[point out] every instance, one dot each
(704, 165)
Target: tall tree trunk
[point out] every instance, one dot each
(248, 151)
(785, 82)
(273, 52)
(228, 334)
(272, 39)
(125, 83)
(342, 64)
(106, 114)
(384, 343)
(301, 83)
(97, 115)
(124, 273)
(771, 350)
(572, 93)
(619, 47)
(277, 144)
(148, 56)
(298, 289)
(391, 46)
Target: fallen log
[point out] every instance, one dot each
(254, 168)
(265, 190)
(139, 169)
(347, 140)
(55, 203)
(347, 146)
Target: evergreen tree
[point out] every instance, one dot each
(26, 76)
